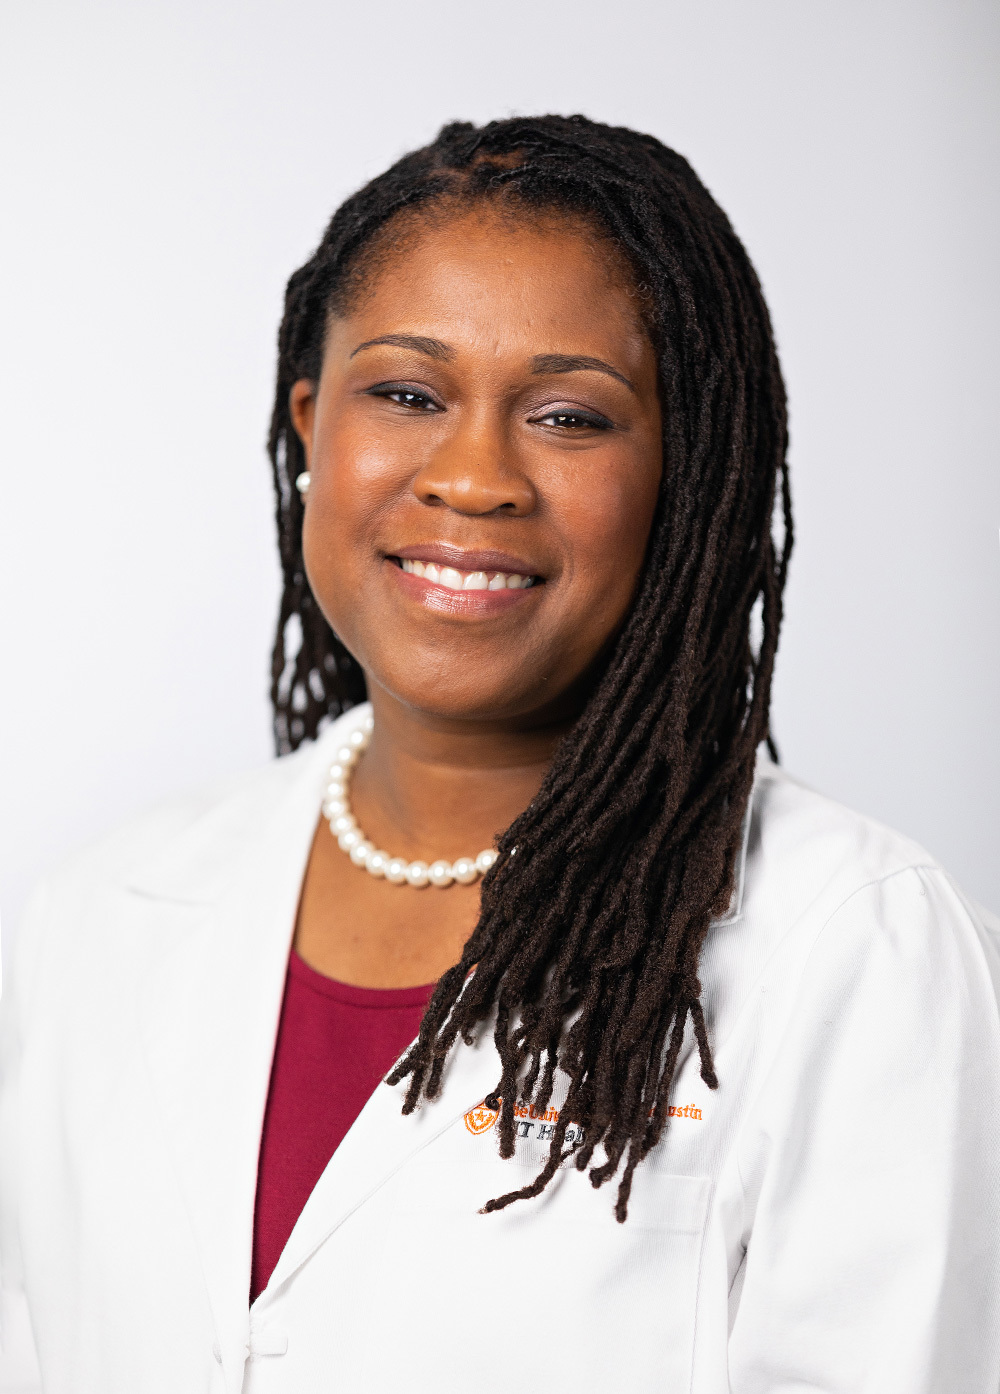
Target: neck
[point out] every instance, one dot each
(432, 787)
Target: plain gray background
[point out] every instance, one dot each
(170, 162)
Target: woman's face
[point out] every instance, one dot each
(485, 452)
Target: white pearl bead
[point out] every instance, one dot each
(395, 870)
(465, 871)
(351, 839)
(440, 873)
(417, 874)
(376, 862)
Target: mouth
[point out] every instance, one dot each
(450, 579)
(454, 580)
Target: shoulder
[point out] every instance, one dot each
(808, 855)
(210, 816)
(829, 896)
(186, 847)
(820, 846)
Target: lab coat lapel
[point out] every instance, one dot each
(211, 1003)
(382, 1140)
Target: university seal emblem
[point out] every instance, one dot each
(480, 1119)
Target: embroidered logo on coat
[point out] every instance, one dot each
(528, 1122)
(481, 1119)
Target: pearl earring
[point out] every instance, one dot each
(302, 483)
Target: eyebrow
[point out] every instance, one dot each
(541, 363)
(575, 363)
(433, 348)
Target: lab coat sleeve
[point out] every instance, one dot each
(19, 1373)
(870, 1160)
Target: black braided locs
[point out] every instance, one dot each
(588, 941)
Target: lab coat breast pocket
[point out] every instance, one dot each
(555, 1286)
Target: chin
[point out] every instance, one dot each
(480, 705)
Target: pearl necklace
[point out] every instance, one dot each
(350, 838)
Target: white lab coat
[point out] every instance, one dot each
(828, 1219)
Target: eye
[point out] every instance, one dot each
(404, 396)
(573, 421)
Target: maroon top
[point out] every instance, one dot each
(335, 1043)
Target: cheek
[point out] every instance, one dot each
(609, 520)
(355, 473)
(352, 486)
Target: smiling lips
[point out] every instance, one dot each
(456, 582)
(453, 579)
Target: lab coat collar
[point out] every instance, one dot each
(735, 909)
(202, 864)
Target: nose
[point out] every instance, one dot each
(474, 472)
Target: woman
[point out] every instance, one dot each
(689, 1072)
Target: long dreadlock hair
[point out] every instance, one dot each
(588, 940)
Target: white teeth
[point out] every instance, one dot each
(455, 580)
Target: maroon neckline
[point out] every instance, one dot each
(351, 996)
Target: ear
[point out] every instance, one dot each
(302, 409)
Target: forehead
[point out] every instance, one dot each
(489, 274)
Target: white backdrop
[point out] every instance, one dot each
(170, 162)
